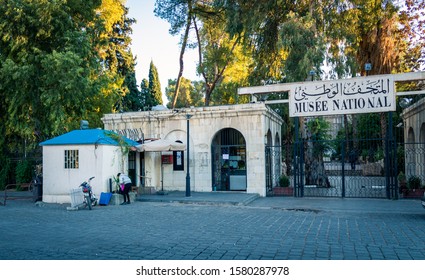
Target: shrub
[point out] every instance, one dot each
(284, 181)
(5, 171)
(23, 171)
(414, 182)
(401, 177)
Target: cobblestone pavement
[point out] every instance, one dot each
(266, 228)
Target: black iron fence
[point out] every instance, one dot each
(347, 163)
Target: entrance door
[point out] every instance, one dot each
(132, 166)
(229, 161)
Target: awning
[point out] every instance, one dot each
(160, 146)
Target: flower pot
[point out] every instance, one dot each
(279, 191)
(413, 193)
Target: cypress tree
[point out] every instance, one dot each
(154, 85)
(133, 100)
(146, 98)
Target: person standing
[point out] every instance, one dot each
(125, 181)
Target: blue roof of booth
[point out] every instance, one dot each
(87, 137)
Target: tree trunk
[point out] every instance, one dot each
(183, 49)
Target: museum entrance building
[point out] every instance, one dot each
(225, 147)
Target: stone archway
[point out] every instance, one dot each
(229, 161)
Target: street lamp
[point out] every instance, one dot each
(188, 116)
(405, 102)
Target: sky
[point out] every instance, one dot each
(151, 41)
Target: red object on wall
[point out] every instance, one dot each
(167, 159)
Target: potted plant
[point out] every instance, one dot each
(414, 182)
(284, 181)
(414, 187)
(284, 187)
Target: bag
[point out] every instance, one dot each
(122, 186)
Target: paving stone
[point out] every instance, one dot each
(337, 229)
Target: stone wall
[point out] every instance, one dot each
(414, 137)
(252, 120)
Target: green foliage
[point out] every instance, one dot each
(401, 177)
(190, 93)
(24, 171)
(60, 62)
(318, 131)
(133, 100)
(284, 181)
(122, 143)
(304, 49)
(226, 93)
(42, 69)
(414, 182)
(218, 53)
(319, 128)
(197, 93)
(174, 11)
(4, 171)
(155, 93)
(145, 94)
(116, 181)
(413, 18)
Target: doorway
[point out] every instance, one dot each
(229, 161)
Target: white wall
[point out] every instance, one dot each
(101, 161)
(251, 120)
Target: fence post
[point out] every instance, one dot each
(298, 163)
(344, 143)
(390, 161)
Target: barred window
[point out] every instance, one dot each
(71, 159)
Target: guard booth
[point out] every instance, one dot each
(344, 142)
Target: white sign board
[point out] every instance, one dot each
(350, 96)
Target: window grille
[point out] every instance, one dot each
(71, 159)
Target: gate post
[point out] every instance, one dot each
(298, 163)
(390, 161)
(343, 143)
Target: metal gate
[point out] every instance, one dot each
(376, 164)
(343, 165)
(273, 168)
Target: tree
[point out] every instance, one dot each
(378, 40)
(60, 62)
(43, 65)
(133, 100)
(155, 93)
(115, 39)
(190, 93)
(179, 13)
(303, 47)
(316, 145)
(115, 53)
(413, 25)
(145, 95)
(216, 48)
